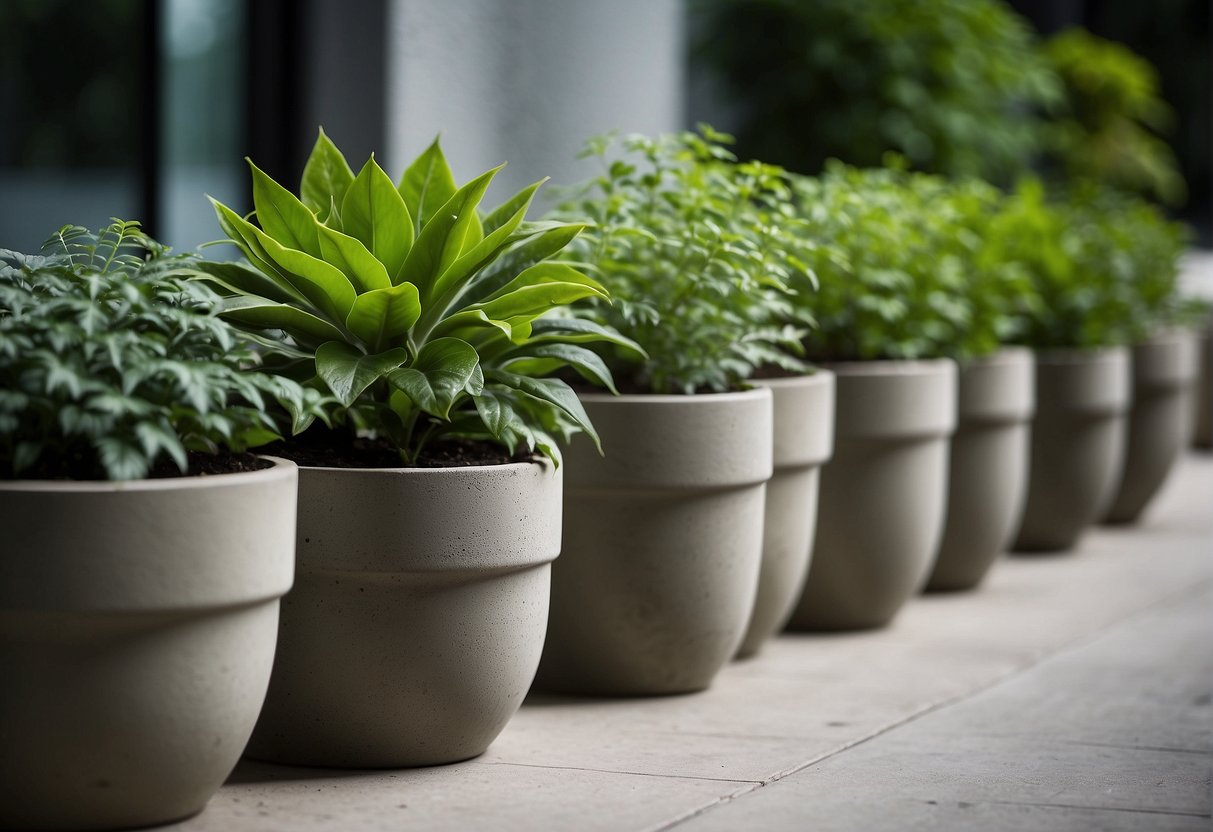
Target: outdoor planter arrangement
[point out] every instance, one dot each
(1076, 327)
(897, 295)
(664, 549)
(138, 615)
(427, 524)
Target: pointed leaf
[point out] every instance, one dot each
(442, 371)
(553, 391)
(427, 185)
(266, 314)
(281, 215)
(578, 330)
(545, 358)
(531, 251)
(326, 176)
(374, 212)
(348, 371)
(241, 280)
(384, 316)
(547, 274)
(354, 260)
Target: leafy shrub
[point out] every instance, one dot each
(949, 84)
(422, 318)
(111, 361)
(697, 251)
(904, 267)
(1113, 119)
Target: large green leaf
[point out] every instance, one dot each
(375, 213)
(384, 316)
(546, 274)
(240, 280)
(323, 284)
(552, 391)
(326, 177)
(354, 260)
(427, 185)
(348, 371)
(266, 314)
(282, 215)
(239, 234)
(527, 251)
(444, 369)
(537, 360)
(441, 239)
(580, 331)
(500, 225)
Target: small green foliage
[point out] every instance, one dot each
(904, 267)
(698, 252)
(1104, 265)
(953, 85)
(110, 360)
(421, 317)
(1110, 131)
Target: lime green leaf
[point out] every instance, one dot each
(326, 177)
(384, 316)
(544, 358)
(441, 239)
(282, 215)
(348, 371)
(554, 392)
(239, 280)
(357, 263)
(547, 274)
(580, 331)
(506, 266)
(443, 370)
(266, 314)
(427, 185)
(374, 212)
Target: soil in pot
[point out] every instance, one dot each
(663, 543)
(1164, 373)
(418, 614)
(987, 469)
(1078, 445)
(803, 442)
(135, 641)
(883, 494)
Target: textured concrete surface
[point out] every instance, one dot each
(1070, 692)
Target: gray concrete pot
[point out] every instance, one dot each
(1078, 444)
(988, 469)
(137, 630)
(662, 543)
(883, 495)
(417, 617)
(1164, 373)
(1202, 422)
(804, 440)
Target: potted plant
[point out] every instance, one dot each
(430, 511)
(1165, 345)
(145, 551)
(885, 314)
(988, 464)
(664, 537)
(1082, 370)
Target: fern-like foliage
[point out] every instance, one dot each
(111, 359)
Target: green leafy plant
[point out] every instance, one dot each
(953, 85)
(111, 361)
(698, 252)
(1111, 128)
(422, 318)
(904, 266)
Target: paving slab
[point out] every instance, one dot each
(811, 700)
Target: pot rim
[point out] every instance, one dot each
(280, 469)
(433, 472)
(819, 378)
(675, 398)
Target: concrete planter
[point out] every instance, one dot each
(137, 630)
(883, 495)
(1078, 444)
(663, 543)
(804, 440)
(988, 470)
(1164, 373)
(417, 617)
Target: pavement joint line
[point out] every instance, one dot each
(621, 771)
(1198, 751)
(1031, 661)
(1126, 809)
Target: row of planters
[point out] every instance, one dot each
(719, 347)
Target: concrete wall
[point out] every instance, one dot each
(526, 81)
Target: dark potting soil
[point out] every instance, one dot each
(204, 465)
(374, 453)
